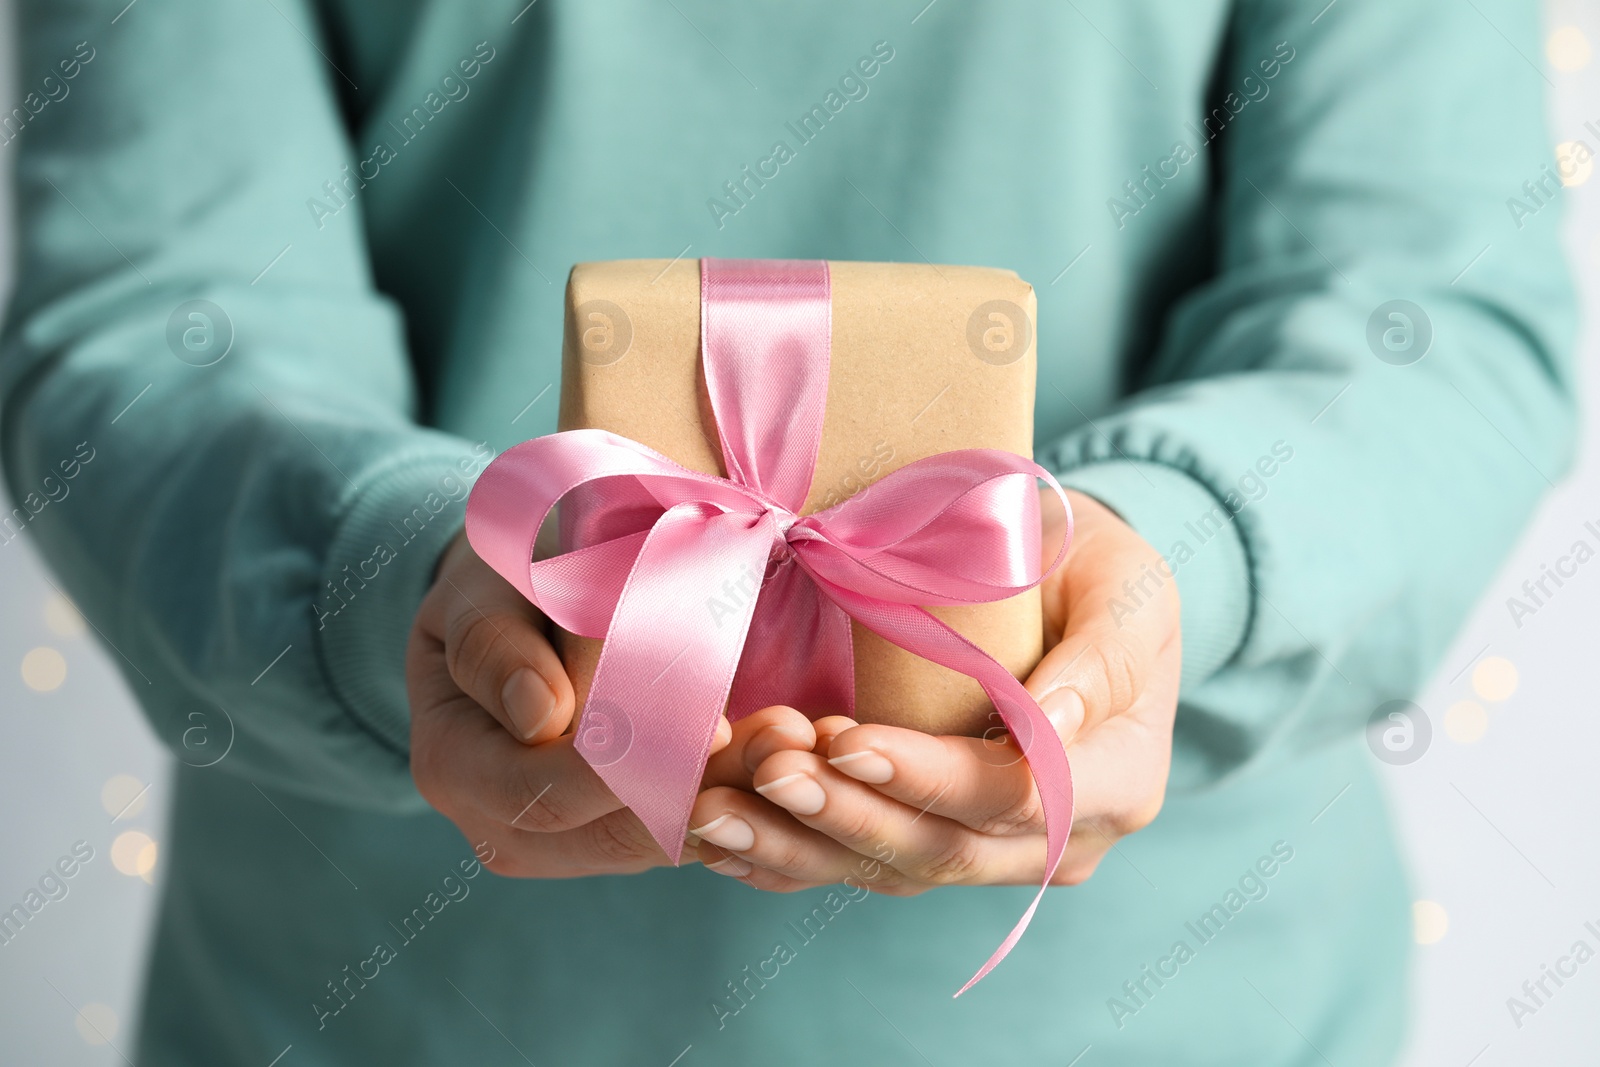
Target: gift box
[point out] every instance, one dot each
(923, 360)
(786, 482)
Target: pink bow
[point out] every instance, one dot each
(714, 593)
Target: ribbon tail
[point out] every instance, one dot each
(668, 663)
(798, 652)
(916, 630)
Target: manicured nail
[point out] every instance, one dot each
(528, 701)
(800, 793)
(865, 766)
(729, 832)
(732, 866)
(1064, 708)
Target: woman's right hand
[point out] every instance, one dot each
(491, 706)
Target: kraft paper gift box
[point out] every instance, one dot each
(924, 360)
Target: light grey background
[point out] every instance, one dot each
(1500, 829)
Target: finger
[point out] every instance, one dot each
(764, 836)
(1119, 769)
(616, 843)
(495, 647)
(754, 738)
(729, 865)
(723, 736)
(828, 728)
(982, 783)
(1119, 604)
(925, 848)
(464, 762)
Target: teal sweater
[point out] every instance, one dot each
(377, 204)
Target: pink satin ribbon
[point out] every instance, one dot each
(713, 593)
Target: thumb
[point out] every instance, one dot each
(1117, 606)
(495, 648)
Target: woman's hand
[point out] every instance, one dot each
(490, 708)
(901, 811)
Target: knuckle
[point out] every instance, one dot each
(893, 883)
(958, 861)
(931, 786)
(537, 806)
(619, 842)
(473, 646)
(782, 853)
(1118, 667)
(852, 823)
(1025, 815)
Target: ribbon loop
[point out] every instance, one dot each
(715, 596)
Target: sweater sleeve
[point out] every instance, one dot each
(252, 513)
(1342, 432)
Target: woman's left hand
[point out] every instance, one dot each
(900, 811)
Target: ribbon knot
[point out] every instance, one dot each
(673, 568)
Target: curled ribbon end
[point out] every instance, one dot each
(1005, 946)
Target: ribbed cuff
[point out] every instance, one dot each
(1199, 538)
(380, 565)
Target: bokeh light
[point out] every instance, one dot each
(1429, 922)
(133, 853)
(1567, 49)
(1495, 679)
(62, 617)
(96, 1023)
(1466, 722)
(123, 795)
(1574, 163)
(43, 669)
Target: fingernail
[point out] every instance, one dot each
(729, 832)
(865, 766)
(800, 793)
(732, 866)
(528, 700)
(1064, 708)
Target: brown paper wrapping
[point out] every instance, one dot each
(924, 360)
